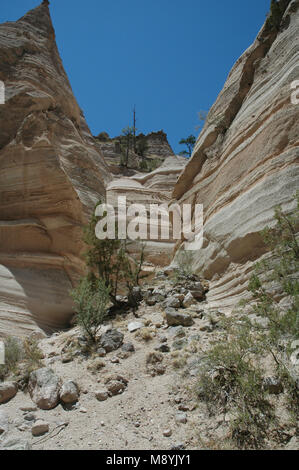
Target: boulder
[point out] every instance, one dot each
(44, 387)
(69, 392)
(111, 340)
(188, 300)
(7, 391)
(174, 318)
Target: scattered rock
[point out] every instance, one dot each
(206, 326)
(114, 360)
(188, 300)
(69, 392)
(39, 428)
(96, 365)
(115, 387)
(7, 391)
(181, 418)
(44, 388)
(101, 395)
(163, 347)
(197, 290)
(111, 340)
(134, 326)
(101, 352)
(167, 432)
(178, 446)
(30, 417)
(174, 318)
(28, 408)
(179, 344)
(177, 331)
(128, 347)
(172, 302)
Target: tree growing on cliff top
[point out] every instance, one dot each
(189, 142)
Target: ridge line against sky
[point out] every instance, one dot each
(170, 58)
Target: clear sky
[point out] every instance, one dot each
(169, 57)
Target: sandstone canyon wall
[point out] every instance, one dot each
(246, 159)
(51, 174)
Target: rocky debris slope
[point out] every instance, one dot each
(136, 390)
(245, 161)
(52, 173)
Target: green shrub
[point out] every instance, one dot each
(13, 354)
(92, 298)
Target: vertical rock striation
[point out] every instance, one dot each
(246, 159)
(51, 174)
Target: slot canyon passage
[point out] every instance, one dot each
(138, 389)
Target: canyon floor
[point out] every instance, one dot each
(157, 407)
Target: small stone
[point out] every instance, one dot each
(101, 395)
(30, 417)
(115, 360)
(128, 347)
(173, 302)
(101, 352)
(134, 326)
(181, 418)
(28, 408)
(39, 428)
(167, 432)
(164, 348)
(83, 410)
(115, 387)
(178, 446)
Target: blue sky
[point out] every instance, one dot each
(169, 57)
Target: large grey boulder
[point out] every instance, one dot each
(44, 387)
(111, 340)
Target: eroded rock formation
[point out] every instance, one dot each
(51, 174)
(245, 161)
(151, 151)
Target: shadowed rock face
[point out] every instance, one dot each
(51, 175)
(245, 161)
